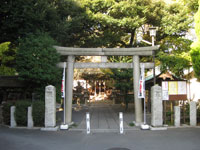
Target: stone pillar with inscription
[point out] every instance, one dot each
(50, 109)
(156, 106)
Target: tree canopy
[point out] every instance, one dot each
(174, 55)
(116, 22)
(99, 23)
(7, 59)
(64, 20)
(195, 51)
(192, 5)
(36, 61)
(86, 23)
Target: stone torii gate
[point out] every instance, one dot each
(71, 52)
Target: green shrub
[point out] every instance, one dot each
(131, 124)
(21, 112)
(36, 62)
(169, 113)
(38, 113)
(6, 112)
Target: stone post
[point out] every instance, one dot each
(193, 113)
(138, 101)
(30, 118)
(177, 115)
(13, 123)
(156, 106)
(50, 106)
(69, 89)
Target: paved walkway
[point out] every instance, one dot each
(104, 117)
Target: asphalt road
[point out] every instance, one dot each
(171, 139)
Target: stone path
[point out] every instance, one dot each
(104, 117)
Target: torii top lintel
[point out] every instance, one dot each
(140, 51)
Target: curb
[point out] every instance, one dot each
(102, 130)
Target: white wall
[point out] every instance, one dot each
(193, 89)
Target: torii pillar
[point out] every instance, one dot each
(137, 101)
(69, 89)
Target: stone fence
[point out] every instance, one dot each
(50, 111)
(157, 110)
(13, 123)
(193, 114)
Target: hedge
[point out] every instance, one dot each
(38, 113)
(21, 112)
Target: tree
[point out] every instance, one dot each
(21, 17)
(123, 78)
(7, 59)
(86, 23)
(174, 55)
(174, 48)
(117, 22)
(192, 5)
(36, 61)
(114, 20)
(97, 23)
(195, 48)
(64, 20)
(176, 20)
(123, 81)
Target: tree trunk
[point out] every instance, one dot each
(132, 38)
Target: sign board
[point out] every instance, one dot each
(63, 82)
(141, 91)
(182, 87)
(165, 93)
(174, 90)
